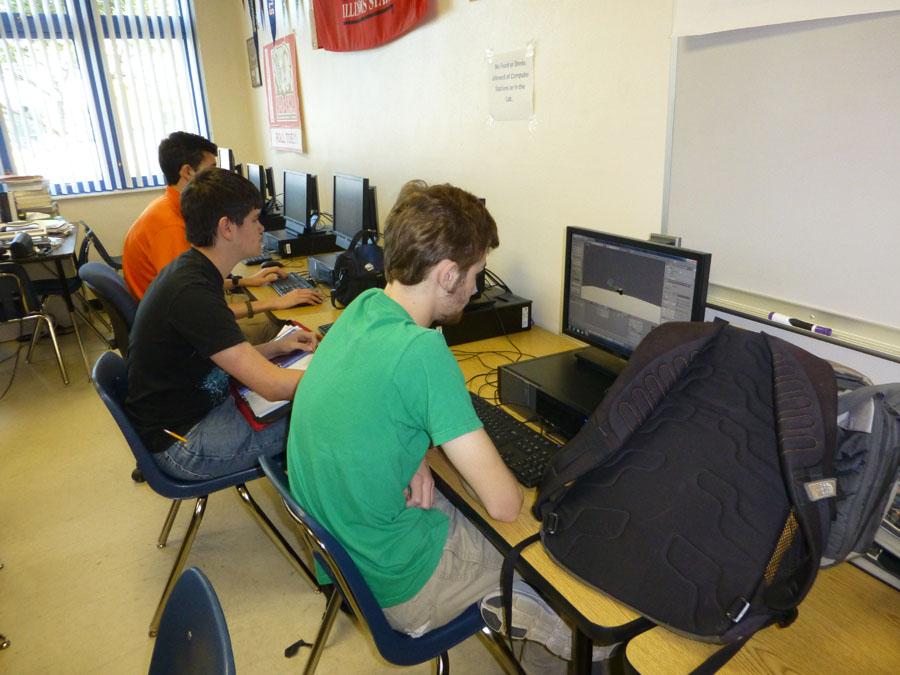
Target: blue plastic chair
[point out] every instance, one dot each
(396, 647)
(111, 382)
(193, 635)
(113, 294)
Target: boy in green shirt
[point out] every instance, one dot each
(382, 389)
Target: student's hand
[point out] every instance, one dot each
(264, 276)
(298, 296)
(298, 339)
(420, 493)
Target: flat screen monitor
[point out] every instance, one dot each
(301, 200)
(350, 197)
(370, 217)
(226, 159)
(618, 289)
(270, 183)
(257, 175)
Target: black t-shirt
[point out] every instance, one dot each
(181, 321)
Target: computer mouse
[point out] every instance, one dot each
(271, 263)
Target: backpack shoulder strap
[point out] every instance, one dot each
(805, 397)
(656, 365)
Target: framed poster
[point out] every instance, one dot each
(253, 58)
(283, 94)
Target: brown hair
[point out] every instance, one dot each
(432, 223)
(212, 194)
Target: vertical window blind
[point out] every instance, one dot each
(88, 88)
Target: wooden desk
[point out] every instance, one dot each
(311, 316)
(849, 623)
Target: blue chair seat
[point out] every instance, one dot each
(111, 382)
(396, 647)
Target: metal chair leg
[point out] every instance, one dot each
(280, 542)
(499, 649)
(442, 664)
(167, 525)
(4, 642)
(34, 338)
(331, 612)
(180, 561)
(87, 366)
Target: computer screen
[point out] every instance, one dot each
(257, 175)
(301, 200)
(350, 196)
(226, 159)
(618, 289)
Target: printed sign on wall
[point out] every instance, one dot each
(283, 94)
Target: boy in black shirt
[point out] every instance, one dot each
(185, 343)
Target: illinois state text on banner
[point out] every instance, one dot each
(351, 25)
(283, 94)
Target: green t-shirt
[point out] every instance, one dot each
(378, 393)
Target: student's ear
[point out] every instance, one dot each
(225, 229)
(186, 173)
(447, 275)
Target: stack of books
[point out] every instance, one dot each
(21, 195)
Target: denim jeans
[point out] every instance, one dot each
(221, 443)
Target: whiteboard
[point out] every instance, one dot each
(785, 161)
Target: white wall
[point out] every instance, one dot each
(417, 108)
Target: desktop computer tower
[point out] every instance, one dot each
(557, 389)
(321, 267)
(505, 313)
(291, 245)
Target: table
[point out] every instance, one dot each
(850, 622)
(58, 256)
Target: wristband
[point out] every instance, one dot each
(249, 309)
(235, 281)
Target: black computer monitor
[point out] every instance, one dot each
(349, 209)
(257, 175)
(270, 183)
(370, 216)
(618, 289)
(226, 159)
(301, 201)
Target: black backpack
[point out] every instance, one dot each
(357, 269)
(700, 492)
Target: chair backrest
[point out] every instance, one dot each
(17, 298)
(393, 645)
(84, 251)
(193, 635)
(113, 294)
(110, 378)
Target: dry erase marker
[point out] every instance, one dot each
(177, 437)
(799, 323)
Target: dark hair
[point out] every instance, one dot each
(432, 223)
(181, 148)
(212, 194)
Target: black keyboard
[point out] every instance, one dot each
(258, 259)
(523, 449)
(290, 282)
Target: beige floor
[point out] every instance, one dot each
(82, 573)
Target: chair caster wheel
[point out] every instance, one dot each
(137, 476)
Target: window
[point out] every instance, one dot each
(88, 88)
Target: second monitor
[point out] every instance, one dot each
(301, 201)
(354, 207)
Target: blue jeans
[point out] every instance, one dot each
(221, 443)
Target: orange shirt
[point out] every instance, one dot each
(155, 239)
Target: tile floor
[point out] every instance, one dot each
(82, 573)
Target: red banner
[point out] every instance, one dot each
(351, 25)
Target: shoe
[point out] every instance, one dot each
(533, 619)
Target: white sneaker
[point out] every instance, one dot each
(533, 619)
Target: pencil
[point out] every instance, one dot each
(177, 437)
